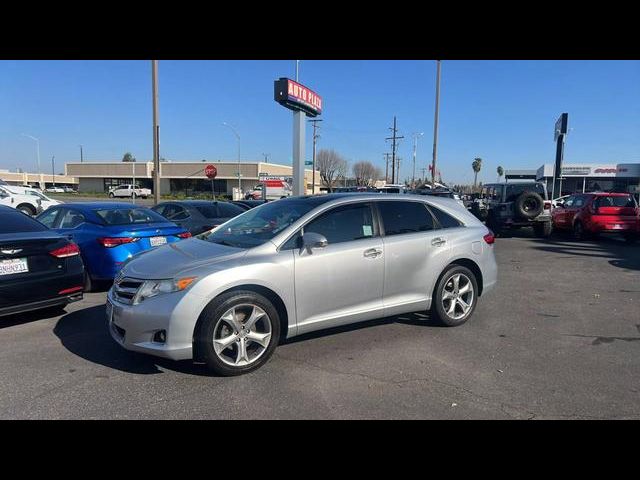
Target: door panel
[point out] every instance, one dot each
(338, 284)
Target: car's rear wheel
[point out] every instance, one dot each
(455, 296)
(578, 231)
(133, 195)
(239, 332)
(543, 229)
(111, 195)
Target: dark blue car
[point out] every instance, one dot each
(109, 233)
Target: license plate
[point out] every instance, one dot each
(14, 265)
(157, 241)
(109, 311)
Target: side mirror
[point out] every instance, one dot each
(311, 240)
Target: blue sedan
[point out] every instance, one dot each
(110, 233)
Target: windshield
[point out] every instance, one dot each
(127, 216)
(260, 224)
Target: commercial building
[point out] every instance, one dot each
(187, 178)
(585, 177)
(37, 179)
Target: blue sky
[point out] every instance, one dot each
(502, 111)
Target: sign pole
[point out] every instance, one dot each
(560, 132)
(298, 153)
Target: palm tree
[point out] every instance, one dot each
(476, 165)
(500, 172)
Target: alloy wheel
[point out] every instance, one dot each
(242, 335)
(457, 296)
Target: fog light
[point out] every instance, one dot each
(160, 336)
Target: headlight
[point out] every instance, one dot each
(153, 288)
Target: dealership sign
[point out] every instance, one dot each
(294, 96)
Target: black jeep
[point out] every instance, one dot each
(516, 205)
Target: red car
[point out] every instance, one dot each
(591, 213)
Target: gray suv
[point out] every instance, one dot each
(300, 264)
(516, 205)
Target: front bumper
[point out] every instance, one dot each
(134, 326)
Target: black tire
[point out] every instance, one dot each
(529, 205)
(437, 308)
(630, 237)
(111, 195)
(543, 229)
(203, 338)
(578, 231)
(133, 195)
(88, 283)
(54, 311)
(26, 209)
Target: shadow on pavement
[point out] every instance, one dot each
(85, 333)
(418, 319)
(620, 253)
(27, 317)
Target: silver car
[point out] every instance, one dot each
(229, 296)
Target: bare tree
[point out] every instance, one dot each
(331, 165)
(365, 173)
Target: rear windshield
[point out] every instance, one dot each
(208, 211)
(616, 201)
(15, 222)
(127, 216)
(515, 190)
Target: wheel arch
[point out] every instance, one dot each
(28, 205)
(471, 265)
(266, 292)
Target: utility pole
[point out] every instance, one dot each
(386, 172)
(435, 128)
(156, 133)
(393, 150)
(53, 170)
(266, 157)
(315, 137)
(81, 159)
(398, 170)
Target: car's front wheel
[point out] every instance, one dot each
(455, 296)
(239, 332)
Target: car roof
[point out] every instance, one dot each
(101, 205)
(605, 194)
(190, 202)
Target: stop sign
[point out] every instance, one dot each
(210, 171)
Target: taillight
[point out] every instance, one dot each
(490, 238)
(110, 242)
(70, 250)
(184, 235)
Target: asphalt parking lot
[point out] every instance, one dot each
(559, 337)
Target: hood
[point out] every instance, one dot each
(169, 260)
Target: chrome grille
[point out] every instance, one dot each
(125, 289)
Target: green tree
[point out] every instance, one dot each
(476, 165)
(500, 172)
(127, 157)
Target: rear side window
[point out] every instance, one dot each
(72, 219)
(444, 219)
(48, 217)
(344, 224)
(14, 222)
(405, 217)
(615, 201)
(128, 216)
(514, 191)
(229, 210)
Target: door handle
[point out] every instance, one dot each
(438, 242)
(373, 252)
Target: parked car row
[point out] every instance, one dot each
(527, 204)
(228, 295)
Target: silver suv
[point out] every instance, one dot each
(227, 297)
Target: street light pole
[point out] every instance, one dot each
(53, 171)
(81, 158)
(238, 137)
(435, 129)
(37, 149)
(415, 147)
(156, 133)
